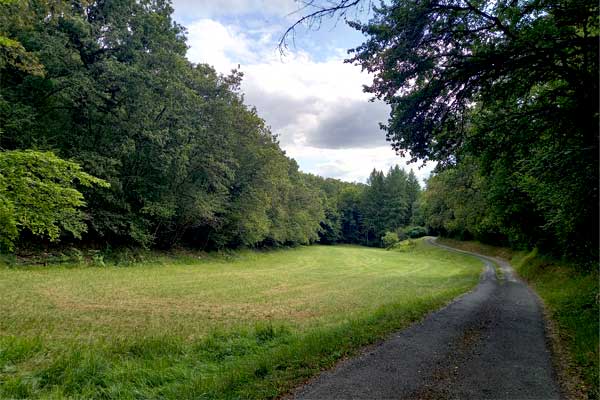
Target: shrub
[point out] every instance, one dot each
(414, 232)
(389, 239)
(406, 245)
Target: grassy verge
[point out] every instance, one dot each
(249, 325)
(571, 297)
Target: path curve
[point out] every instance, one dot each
(487, 344)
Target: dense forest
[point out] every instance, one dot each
(111, 136)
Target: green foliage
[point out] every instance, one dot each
(413, 232)
(8, 224)
(188, 162)
(520, 134)
(455, 203)
(107, 84)
(407, 245)
(465, 202)
(13, 55)
(37, 193)
(349, 201)
(389, 240)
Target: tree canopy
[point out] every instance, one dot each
(107, 86)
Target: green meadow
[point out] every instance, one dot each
(245, 325)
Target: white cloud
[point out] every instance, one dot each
(318, 109)
(214, 43)
(353, 165)
(314, 103)
(350, 124)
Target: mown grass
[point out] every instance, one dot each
(250, 325)
(570, 292)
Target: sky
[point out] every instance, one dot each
(309, 97)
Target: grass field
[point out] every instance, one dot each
(570, 294)
(249, 325)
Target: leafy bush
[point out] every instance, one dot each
(413, 232)
(389, 239)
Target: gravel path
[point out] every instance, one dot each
(487, 344)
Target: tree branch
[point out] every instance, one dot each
(492, 18)
(340, 8)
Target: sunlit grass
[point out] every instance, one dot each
(249, 325)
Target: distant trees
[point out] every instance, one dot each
(363, 214)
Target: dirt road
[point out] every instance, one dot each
(487, 344)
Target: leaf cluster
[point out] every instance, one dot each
(38, 193)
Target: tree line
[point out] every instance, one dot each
(98, 97)
(364, 213)
(110, 135)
